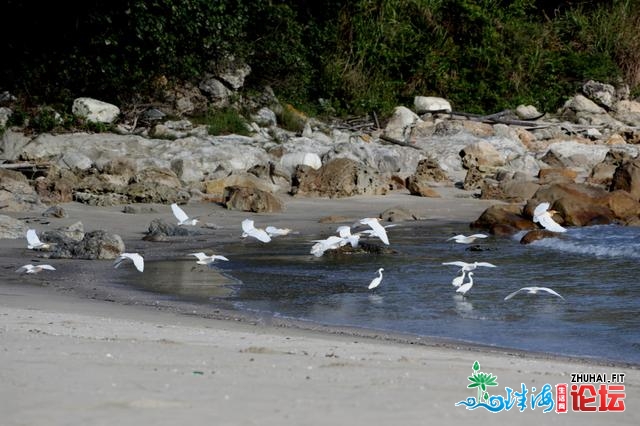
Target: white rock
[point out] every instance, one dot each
(95, 110)
(291, 160)
(423, 104)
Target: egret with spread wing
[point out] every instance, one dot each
(544, 217)
(249, 230)
(183, 218)
(534, 290)
(34, 269)
(463, 239)
(378, 230)
(137, 260)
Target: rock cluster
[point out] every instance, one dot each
(582, 159)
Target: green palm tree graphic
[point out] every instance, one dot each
(481, 380)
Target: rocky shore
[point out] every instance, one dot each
(582, 160)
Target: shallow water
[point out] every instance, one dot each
(593, 268)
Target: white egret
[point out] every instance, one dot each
(457, 281)
(463, 239)
(249, 230)
(137, 260)
(203, 259)
(377, 280)
(33, 242)
(466, 267)
(331, 243)
(544, 217)
(465, 287)
(183, 218)
(345, 233)
(378, 230)
(34, 269)
(533, 290)
(276, 232)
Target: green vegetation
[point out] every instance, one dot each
(226, 121)
(358, 56)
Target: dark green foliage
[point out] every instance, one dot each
(226, 121)
(359, 56)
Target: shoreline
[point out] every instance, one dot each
(133, 362)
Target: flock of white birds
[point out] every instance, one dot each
(541, 215)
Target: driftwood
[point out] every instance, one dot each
(398, 142)
(502, 117)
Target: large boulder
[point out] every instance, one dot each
(16, 194)
(340, 177)
(503, 220)
(251, 200)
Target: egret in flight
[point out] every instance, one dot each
(34, 269)
(249, 230)
(533, 290)
(466, 267)
(183, 218)
(138, 261)
(378, 230)
(203, 259)
(544, 217)
(463, 239)
(272, 231)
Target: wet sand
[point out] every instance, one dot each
(77, 350)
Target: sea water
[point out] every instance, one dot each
(593, 268)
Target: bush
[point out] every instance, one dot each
(226, 121)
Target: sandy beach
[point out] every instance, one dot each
(74, 353)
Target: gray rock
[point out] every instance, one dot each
(11, 228)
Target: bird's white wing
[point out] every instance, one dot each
(548, 290)
(510, 295)
(247, 226)
(479, 236)
(47, 267)
(456, 237)
(274, 232)
(24, 268)
(344, 231)
(218, 256)
(118, 261)
(260, 234)
(138, 260)
(378, 229)
(549, 224)
(540, 210)
(179, 213)
(487, 264)
(457, 263)
(199, 255)
(32, 238)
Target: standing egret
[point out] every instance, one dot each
(466, 267)
(533, 290)
(33, 242)
(203, 259)
(544, 217)
(137, 260)
(34, 269)
(464, 288)
(249, 230)
(377, 280)
(463, 239)
(183, 218)
(378, 230)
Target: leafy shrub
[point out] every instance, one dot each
(226, 121)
